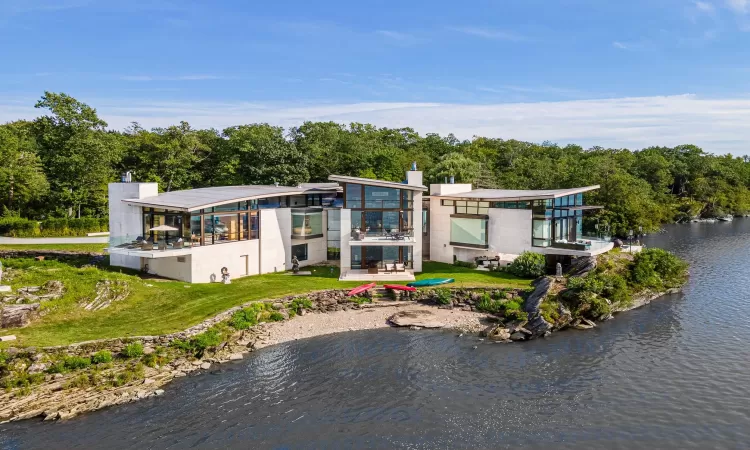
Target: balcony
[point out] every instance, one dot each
(586, 246)
(381, 237)
(132, 246)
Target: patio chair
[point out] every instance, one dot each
(399, 267)
(162, 246)
(178, 244)
(147, 245)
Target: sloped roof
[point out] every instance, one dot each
(371, 182)
(195, 199)
(515, 194)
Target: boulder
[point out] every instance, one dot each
(582, 266)
(418, 318)
(206, 365)
(14, 316)
(499, 333)
(517, 336)
(38, 367)
(235, 356)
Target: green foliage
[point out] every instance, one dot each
(610, 285)
(21, 379)
(101, 357)
(155, 359)
(298, 304)
(360, 300)
(550, 310)
(528, 264)
(132, 350)
(467, 264)
(275, 316)
(198, 344)
(250, 316)
(655, 268)
(513, 310)
(443, 296)
(131, 373)
(487, 304)
(76, 362)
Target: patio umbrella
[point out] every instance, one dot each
(164, 228)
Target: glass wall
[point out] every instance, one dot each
(381, 257)
(307, 224)
(379, 210)
(469, 232)
(300, 251)
(334, 234)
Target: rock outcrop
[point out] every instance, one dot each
(536, 323)
(420, 318)
(16, 316)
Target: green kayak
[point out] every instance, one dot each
(430, 282)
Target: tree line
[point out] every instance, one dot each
(59, 164)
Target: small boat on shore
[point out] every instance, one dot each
(430, 282)
(360, 289)
(398, 287)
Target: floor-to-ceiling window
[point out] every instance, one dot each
(380, 257)
(379, 210)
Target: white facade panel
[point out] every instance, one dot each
(509, 231)
(126, 221)
(346, 236)
(275, 240)
(240, 258)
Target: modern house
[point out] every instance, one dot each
(372, 229)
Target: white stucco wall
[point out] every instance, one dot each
(417, 222)
(275, 240)
(172, 268)
(208, 260)
(509, 230)
(126, 221)
(440, 231)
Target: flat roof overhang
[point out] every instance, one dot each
(379, 183)
(510, 195)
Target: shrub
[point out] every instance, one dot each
(131, 373)
(198, 344)
(21, 380)
(276, 316)
(18, 227)
(76, 362)
(608, 285)
(250, 316)
(133, 350)
(300, 303)
(550, 310)
(488, 304)
(101, 357)
(443, 296)
(528, 265)
(657, 269)
(157, 358)
(360, 300)
(467, 264)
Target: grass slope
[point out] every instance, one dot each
(158, 307)
(87, 248)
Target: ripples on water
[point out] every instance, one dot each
(673, 374)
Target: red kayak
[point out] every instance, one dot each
(360, 289)
(398, 287)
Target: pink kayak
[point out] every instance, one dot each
(398, 287)
(360, 289)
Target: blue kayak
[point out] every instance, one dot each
(430, 282)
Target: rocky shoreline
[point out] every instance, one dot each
(61, 395)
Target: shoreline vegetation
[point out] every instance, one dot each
(59, 164)
(68, 379)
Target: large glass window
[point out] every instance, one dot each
(541, 233)
(353, 196)
(307, 225)
(300, 251)
(381, 198)
(356, 220)
(469, 232)
(356, 257)
(226, 228)
(334, 234)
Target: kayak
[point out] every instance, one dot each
(360, 289)
(430, 282)
(398, 287)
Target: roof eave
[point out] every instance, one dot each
(381, 183)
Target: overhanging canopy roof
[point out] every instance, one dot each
(516, 194)
(195, 199)
(380, 183)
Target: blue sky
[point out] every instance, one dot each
(614, 73)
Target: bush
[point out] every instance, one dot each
(512, 311)
(360, 300)
(157, 358)
(443, 296)
(528, 265)
(101, 357)
(608, 285)
(18, 227)
(21, 380)
(133, 350)
(276, 316)
(76, 362)
(550, 310)
(198, 344)
(488, 304)
(468, 265)
(250, 316)
(658, 269)
(126, 376)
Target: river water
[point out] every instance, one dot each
(673, 375)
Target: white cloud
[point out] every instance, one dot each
(717, 125)
(490, 33)
(704, 6)
(740, 6)
(621, 45)
(171, 78)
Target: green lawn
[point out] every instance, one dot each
(89, 248)
(159, 307)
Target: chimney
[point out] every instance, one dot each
(413, 165)
(453, 180)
